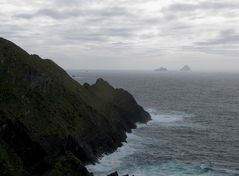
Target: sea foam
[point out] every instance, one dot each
(136, 143)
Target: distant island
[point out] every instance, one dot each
(161, 69)
(185, 68)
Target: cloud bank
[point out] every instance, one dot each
(125, 34)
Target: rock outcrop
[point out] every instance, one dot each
(50, 125)
(113, 174)
(162, 69)
(185, 68)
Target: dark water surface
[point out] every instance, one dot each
(195, 126)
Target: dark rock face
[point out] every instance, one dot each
(113, 174)
(52, 125)
(15, 135)
(116, 174)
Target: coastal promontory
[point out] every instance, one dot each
(51, 125)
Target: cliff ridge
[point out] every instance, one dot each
(52, 125)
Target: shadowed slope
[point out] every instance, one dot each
(50, 124)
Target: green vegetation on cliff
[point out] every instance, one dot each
(50, 124)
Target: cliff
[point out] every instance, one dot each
(52, 125)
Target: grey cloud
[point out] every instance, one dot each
(18, 32)
(225, 37)
(231, 52)
(110, 28)
(226, 44)
(52, 13)
(73, 12)
(67, 3)
(57, 14)
(104, 33)
(205, 5)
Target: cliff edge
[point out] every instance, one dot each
(52, 125)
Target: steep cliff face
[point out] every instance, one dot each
(52, 125)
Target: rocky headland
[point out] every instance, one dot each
(50, 125)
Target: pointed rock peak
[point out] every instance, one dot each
(101, 81)
(185, 68)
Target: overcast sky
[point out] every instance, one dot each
(126, 34)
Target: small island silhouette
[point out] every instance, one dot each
(161, 69)
(185, 68)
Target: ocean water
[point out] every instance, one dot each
(194, 129)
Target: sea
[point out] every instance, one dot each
(194, 129)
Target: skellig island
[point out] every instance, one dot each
(161, 69)
(185, 68)
(50, 125)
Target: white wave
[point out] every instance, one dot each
(110, 163)
(162, 117)
(135, 143)
(172, 168)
